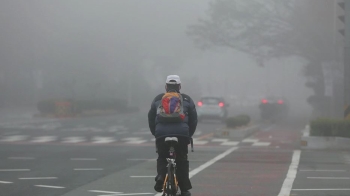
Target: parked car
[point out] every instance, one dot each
(212, 107)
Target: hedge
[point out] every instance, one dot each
(237, 121)
(330, 127)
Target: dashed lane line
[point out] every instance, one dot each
(142, 176)
(88, 169)
(83, 159)
(38, 178)
(13, 170)
(329, 178)
(21, 158)
(47, 186)
(108, 192)
(5, 182)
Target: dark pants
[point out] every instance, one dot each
(182, 164)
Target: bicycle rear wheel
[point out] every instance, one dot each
(171, 187)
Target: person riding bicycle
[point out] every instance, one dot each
(183, 130)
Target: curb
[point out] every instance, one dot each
(322, 143)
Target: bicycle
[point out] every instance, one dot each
(171, 186)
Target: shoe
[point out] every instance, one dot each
(159, 186)
(185, 193)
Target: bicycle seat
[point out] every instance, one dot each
(171, 140)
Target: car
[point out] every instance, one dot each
(273, 108)
(213, 108)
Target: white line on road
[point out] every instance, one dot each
(320, 189)
(249, 140)
(98, 191)
(5, 182)
(103, 140)
(292, 172)
(261, 144)
(330, 178)
(142, 176)
(83, 159)
(141, 159)
(229, 143)
(39, 178)
(88, 169)
(44, 139)
(119, 194)
(322, 170)
(209, 163)
(73, 139)
(219, 140)
(21, 158)
(14, 138)
(54, 187)
(10, 170)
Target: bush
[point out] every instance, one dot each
(241, 120)
(330, 127)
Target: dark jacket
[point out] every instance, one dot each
(184, 129)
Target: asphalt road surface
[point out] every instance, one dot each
(115, 155)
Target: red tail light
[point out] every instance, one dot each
(264, 101)
(280, 102)
(221, 104)
(199, 103)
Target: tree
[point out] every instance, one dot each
(268, 29)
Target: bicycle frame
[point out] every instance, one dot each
(170, 178)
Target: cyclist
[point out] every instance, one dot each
(182, 130)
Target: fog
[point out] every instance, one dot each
(86, 49)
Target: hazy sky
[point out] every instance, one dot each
(115, 35)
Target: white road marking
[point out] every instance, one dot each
(54, 187)
(261, 144)
(199, 142)
(153, 139)
(292, 172)
(83, 159)
(141, 159)
(13, 170)
(323, 170)
(142, 176)
(98, 191)
(136, 142)
(119, 194)
(88, 169)
(43, 139)
(320, 189)
(249, 140)
(73, 139)
(5, 182)
(102, 140)
(21, 158)
(330, 178)
(229, 144)
(39, 178)
(219, 140)
(207, 164)
(14, 138)
(131, 138)
(212, 161)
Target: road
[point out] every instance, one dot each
(115, 155)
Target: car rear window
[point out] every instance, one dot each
(210, 101)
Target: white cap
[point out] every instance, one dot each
(176, 78)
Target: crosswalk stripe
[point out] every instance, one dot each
(261, 144)
(14, 138)
(229, 143)
(43, 139)
(102, 140)
(136, 141)
(73, 139)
